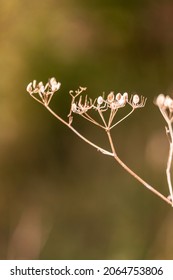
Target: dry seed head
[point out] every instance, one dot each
(110, 97)
(100, 100)
(136, 99)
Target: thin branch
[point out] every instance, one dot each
(169, 162)
(77, 133)
(131, 172)
(123, 118)
(89, 118)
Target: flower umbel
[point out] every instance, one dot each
(46, 92)
(112, 103)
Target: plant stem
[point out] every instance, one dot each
(169, 162)
(131, 172)
(77, 133)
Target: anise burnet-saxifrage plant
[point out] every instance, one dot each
(106, 107)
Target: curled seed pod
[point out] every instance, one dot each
(136, 99)
(100, 100)
(74, 108)
(118, 96)
(160, 100)
(110, 97)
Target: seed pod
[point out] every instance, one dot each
(135, 99)
(125, 96)
(110, 97)
(118, 96)
(100, 100)
(29, 87)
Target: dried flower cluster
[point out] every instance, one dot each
(112, 102)
(83, 106)
(165, 104)
(45, 92)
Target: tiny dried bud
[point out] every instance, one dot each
(160, 100)
(135, 99)
(29, 87)
(100, 100)
(41, 87)
(110, 97)
(74, 108)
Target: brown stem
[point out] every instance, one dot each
(131, 172)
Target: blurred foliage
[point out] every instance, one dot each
(59, 198)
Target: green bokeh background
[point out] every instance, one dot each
(59, 197)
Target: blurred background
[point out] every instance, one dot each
(59, 197)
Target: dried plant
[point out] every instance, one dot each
(106, 107)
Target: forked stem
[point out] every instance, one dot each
(77, 133)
